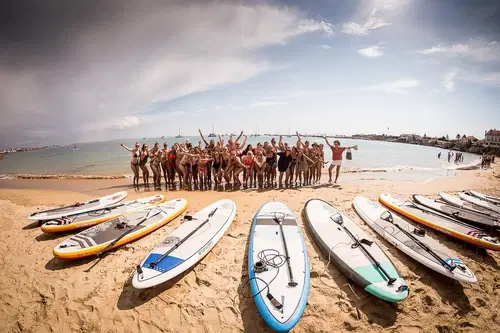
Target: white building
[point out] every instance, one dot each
(492, 138)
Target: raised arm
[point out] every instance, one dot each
(220, 141)
(239, 137)
(280, 144)
(127, 148)
(202, 137)
(244, 142)
(326, 140)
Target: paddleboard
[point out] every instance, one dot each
(78, 208)
(476, 201)
(279, 283)
(457, 213)
(100, 215)
(186, 245)
(441, 223)
(456, 201)
(485, 197)
(412, 241)
(344, 242)
(97, 238)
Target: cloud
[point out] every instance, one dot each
(326, 47)
(74, 83)
(449, 80)
(402, 86)
(316, 26)
(371, 52)
(266, 104)
(477, 50)
(372, 16)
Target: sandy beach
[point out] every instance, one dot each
(39, 293)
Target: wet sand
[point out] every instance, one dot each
(39, 293)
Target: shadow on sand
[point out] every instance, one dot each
(33, 225)
(130, 298)
(252, 320)
(52, 236)
(376, 310)
(56, 264)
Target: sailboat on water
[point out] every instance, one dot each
(212, 135)
(179, 136)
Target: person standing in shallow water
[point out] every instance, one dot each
(134, 162)
(337, 152)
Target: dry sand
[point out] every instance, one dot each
(41, 294)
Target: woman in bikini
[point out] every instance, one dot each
(337, 152)
(164, 165)
(143, 160)
(202, 169)
(260, 167)
(271, 164)
(217, 167)
(194, 164)
(248, 160)
(155, 155)
(179, 156)
(302, 166)
(227, 165)
(171, 165)
(134, 162)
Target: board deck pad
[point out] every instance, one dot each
(440, 222)
(372, 213)
(78, 208)
(91, 241)
(265, 237)
(189, 252)
(351, 259)
(94, 217)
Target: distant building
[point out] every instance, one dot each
(492, 138)
(466, 139)
(410, 137)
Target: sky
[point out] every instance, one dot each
(79, 71)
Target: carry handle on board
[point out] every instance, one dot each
(387, 216)
(291, 282)
(337, 218)
(144, 219)
(77, 204)
(154, 263)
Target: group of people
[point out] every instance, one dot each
(459, 157)
(267, 165)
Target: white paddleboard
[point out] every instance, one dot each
(482, 203)
(456, 201)
(485, 197)
(79, 207)
(349, 256)
(186, 245)
(280, 297)
(413, 241)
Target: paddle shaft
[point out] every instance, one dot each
(128, 232)
(291, 282)
(358, 243)
(154, 263)
(70, 206)
(425, 247)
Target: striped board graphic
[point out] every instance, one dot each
(94, 217)
(187, 245)
(91, 241)
(379, 219)
(266, 234)
(351, 259)
(440, 222)
(79, 208)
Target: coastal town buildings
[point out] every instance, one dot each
(492, 138)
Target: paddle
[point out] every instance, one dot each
(337, 218)
(291, 282)
(144, 219)
(78, 204)
(387, 216)
(154, 263)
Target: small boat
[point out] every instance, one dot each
(179, 136)
(75, 148)
(212, 135)
(162, 137)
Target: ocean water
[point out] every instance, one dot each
(373, 159)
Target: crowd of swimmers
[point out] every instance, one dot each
(267, 165)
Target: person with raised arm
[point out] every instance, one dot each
(337, 152)
(134, 161)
